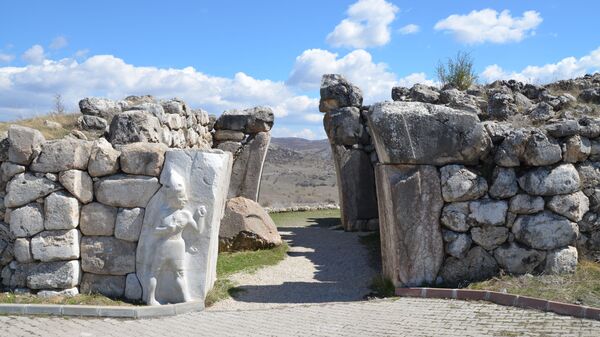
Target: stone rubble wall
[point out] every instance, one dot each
(461, 199)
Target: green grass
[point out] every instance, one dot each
(327, 218)
(582, 287)
(81, 299)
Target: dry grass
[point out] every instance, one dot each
(67, 121)
(582, 287)
(92, 299)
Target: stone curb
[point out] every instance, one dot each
(101, 311)
(524, 302)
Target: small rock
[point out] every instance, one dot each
(63, 293)
(487, 212)
(518, 260)
(456, 244)
(504, 183)
(478, 265)
(576, 149)
(561, 261)
(526, 204)
(573, 206)
(78, 183)
(489, 237)
(22, 250)
(454, 216)
(562, 179)
(94, 123)
(461, 184)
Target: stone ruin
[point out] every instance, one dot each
(503, 177)
(134, 214)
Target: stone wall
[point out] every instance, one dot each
(461, 199)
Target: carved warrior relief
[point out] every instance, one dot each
(178, 247)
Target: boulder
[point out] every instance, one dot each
(526, 204)
(572, 206)
(54, 275)
(343, 126)
(455, 215)
(540, 150)
(98, 219)
(134, 126)
(129, 224)
(400, 94)
(7, 171)
(151, 108)
(576, 149)
(174, 106)
(27, 220)
(254, 120)
(79, 184)
(545, 230)
(487, 212)
(56, 245)
(563, 128)
(456, 244)
(545, 181)
(489, 237)
(424, 93)
(478, 265)
(516, 259)
(143, 158)
(22, 250)
(133, 288)
(504, 183)
(103, 159)
(107, 285)
(107, 256)
(248, 167)
(174, 122)
(62, 155)
(24, 144)
(589, 174)
(26, 187)
(93, 123)
(461, 184)
(420, 133)
(337, 92)
(247, 226)
(541, 112)
(101, 107)
(561, 261)
(61, 211)
(126, 191)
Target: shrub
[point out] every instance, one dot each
(457, 72)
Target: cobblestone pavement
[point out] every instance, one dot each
(391, 317)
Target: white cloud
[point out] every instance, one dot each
(34, 55)
(414, 78)
(81, 53)
(367, 25)
(25, 91)
(314, 117)
(59, 42)
(487, 25)
(409, 29)
(566, 68)
(6, 58)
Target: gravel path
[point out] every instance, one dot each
(323, 265)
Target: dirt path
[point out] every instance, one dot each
(323, 265)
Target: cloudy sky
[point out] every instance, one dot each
(226, 54)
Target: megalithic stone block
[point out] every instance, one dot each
(176, 258)
(410, 204)
(248, 167)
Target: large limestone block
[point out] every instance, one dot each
(562, 179)
(27, 220)
(107, 285)
(79, 183)
(178, 247)
(104, 159)
(133, 288)
(489, 237)
(248, 167)
(573, 206)
(337, 92)
(343, 126)
(504, 183)
(478, 265)
(107, 256)
(24, 144)
(54, 275)
(420, 133)
(487, 212)
(455, 216)
(126, 191)
(410, 204)
(22, 250)
(129, 224)
(26, 187)
(143, 158)
(61, 211)
(545, 230)
(61, 155)
(134, 126)
(58, 245)
(98, 219)
(247, 226)
(253, 120)
(101, 107)
(516, 259)
(356, 186)
(526, 204)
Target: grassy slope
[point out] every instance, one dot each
(68, 122)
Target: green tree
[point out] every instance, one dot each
(457, 71)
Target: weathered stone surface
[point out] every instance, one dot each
(561, 261)
(126, 191)
(70, 292)
(572, 206)
(229, 146)
(455, 215)
(254, 120)
(423, 93)
(4, 145)
(58, 245)
(540, 150)
(456, 244)
(107, 255)
(61, 211)
(134, 126)
(133, 288)
(92, 123)
(107, 285)
(27, 220)
(576, 149)
(103, 159)
(22, 250)
(24, 144)
(62, 155)
(461, 184)
(102, 107)
(129, 224)
(98, 219)
(403, 134)
(7, 171)
(545, 230)
(562, 179)
(478, 265)
(337, 92)
(410, 204)
(343, 126)
(248, 167)
(225, 135)
(516, 259)
(179, 240)
(79, 184)
(504, 183)
(247, 226)
(143, 158)
(589, 173)
(489, 237)
(563, 128)
(526, 204)
(54, 275)
(487, 212)
(356, 186)
(151, 108)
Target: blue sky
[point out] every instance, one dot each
(227, 54)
